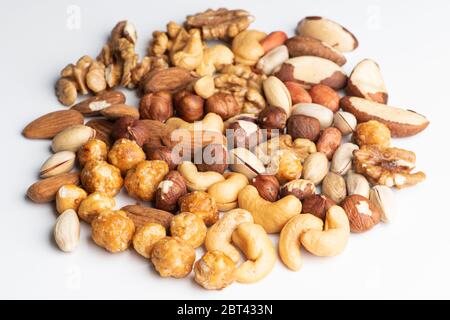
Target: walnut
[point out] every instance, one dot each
(220, 24)
(173, 257)
(145, 238)
(102, 177)
(142, 180)
(387, 166)
(141, 70)
(202, 204)
(215, 270)
(92, 150)
(189, 227)
(125, 154)
(95, 78)
(159, 44)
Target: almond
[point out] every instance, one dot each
(93, 105)
(170, 79)
(401, 122)
(45, 190)
(50, 124)
(103, 129)
(67, 231)
(142, 215)
(120, 110)
(305, 46)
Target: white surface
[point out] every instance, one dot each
(409, 258)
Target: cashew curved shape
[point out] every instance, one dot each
(218, 236)
(211, 122)
(195, 180)
(213, 58)
(226, 192)
(247, 48)
(259, 250)
(192, 54)
(333, 239)
(289, 244)
(272, 216)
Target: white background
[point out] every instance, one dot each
(409, 258)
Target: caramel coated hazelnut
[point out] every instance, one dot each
(102, 177)
(125, 154)
(94, 149)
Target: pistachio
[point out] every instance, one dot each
(315, 167)
(333, 186)
(72, 138)
(383, 198)
(60, 162)
(345, 122)
(245, 162)
(277, 94)
(342, 158)
(321, 113)
(67, 231)
(357, 184)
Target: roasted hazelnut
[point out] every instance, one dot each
(202, 204)
(94, 204)
(317, 205)
(142, 180)
(361, 212)
(213, 157)
(372, 133)
(325, 96)
(132, 129)
(329, 141)
(162, 153)
(94, 149)
(215, 270)
(300, 126)
(268, 187)
(299, 188)
(68, 197)
(190, 107)
(102, 177)
(243, 134)
(173, 257)
(145, 238)
(272, 118)
(189, 227)
(156, 106)
(125, 154)
(297, 92)
(169, 191)
(223, 104)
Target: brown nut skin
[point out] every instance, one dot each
(317, 205)
(372, 133)
(190, 107)
(102, 177)
(156, 106)
(244, 134)
(173, 257)
(268, 186)
(94, 204)
(215, 270)
(223, 104)
(113, 230)
(298, 93)
(212, 157)
(325, 96)
(125, 154)
(162, 153)
(189, 227)
(69, 196)
(300, 126)
(272, 118)
(202, 204)
(142, 180)
(299, 188)
(94, 149)
(329, 140)
(361, 212)
(145, 238)
(132, 129)
(169, 191)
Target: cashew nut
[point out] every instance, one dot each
(333, 239)
(272, 216)
(226, 192)
(219, 235)
(247, 48)
(211, 122)
(205, 87)
(198, 181)
(289, 244)
(213, 58)
(259, 250)
(192, 54)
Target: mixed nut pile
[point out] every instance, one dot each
(232, 140)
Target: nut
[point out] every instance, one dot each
(333, 187)
(317, 205)
(190, 107)
(299, 188)
(223, 104)
(247, 48)
(277, 94)
(245, 162)
(321, 113)
(211, 122)
(162, 153)
(66, 91)
(329, 141)
(242, 133)
(272, 118)
(142, 180)
(173, 257)
(143, 215)
(156, 106)
(125, 154)
(214, 271)
(195, 180)
(170, 79)
(342, 158)
(273, 59)
(103, 129)
(362, 214)
(366, 82)
(69, 196)
(201, 204)
(72, 138)
(273, 40)
(190, 55)
(67, 231)
(213, 59)
(268, 187)
(94, 204)
(93, 105)
(113, 230)
(93, 150)
(102, 177)
(169, 191)
(60, 162)
(120, 110)
(357, 184)
(132, 129)
(213, 157)
(145, 238)
(225, 193)
(50, 124)
(285, 165)
(315, 167)
(345, 122)
(325, 96)
(300, 126)
(189, 227)
(298, 93)
(307, 46)
(372, 132)
(204, 87)
(402, 123)
(45, 190)
(383, 198)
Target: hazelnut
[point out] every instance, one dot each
(325, 96)
(202, 204)
(156, 106)
(190, 107)
(300, 126)
(272, 118)
(189, 227)
(145, 238)
(329, 141)
(125, 154)
(94, 204)
(169, 191)
(173, 257)
(132, 129)
(223, 104)
(94, 149)
(372, 132)
(299, 188)
(317, 205)
(213, 157)
(162, 153)
(102, 177)
(297, 92)
(142, 180)
(243, 134)
(268, 186)
(69, 196)
(334, 187)
(215, 270)
(362, 213)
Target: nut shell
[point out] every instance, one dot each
(361, 212)
(334, 187)
(268, 186)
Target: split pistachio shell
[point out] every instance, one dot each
(315, 167)
(277, 94)
(383, 198)
(72, 138)
(60, 162)
(245, 162)
(345, 122)
(342, 158)
(357, 184)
